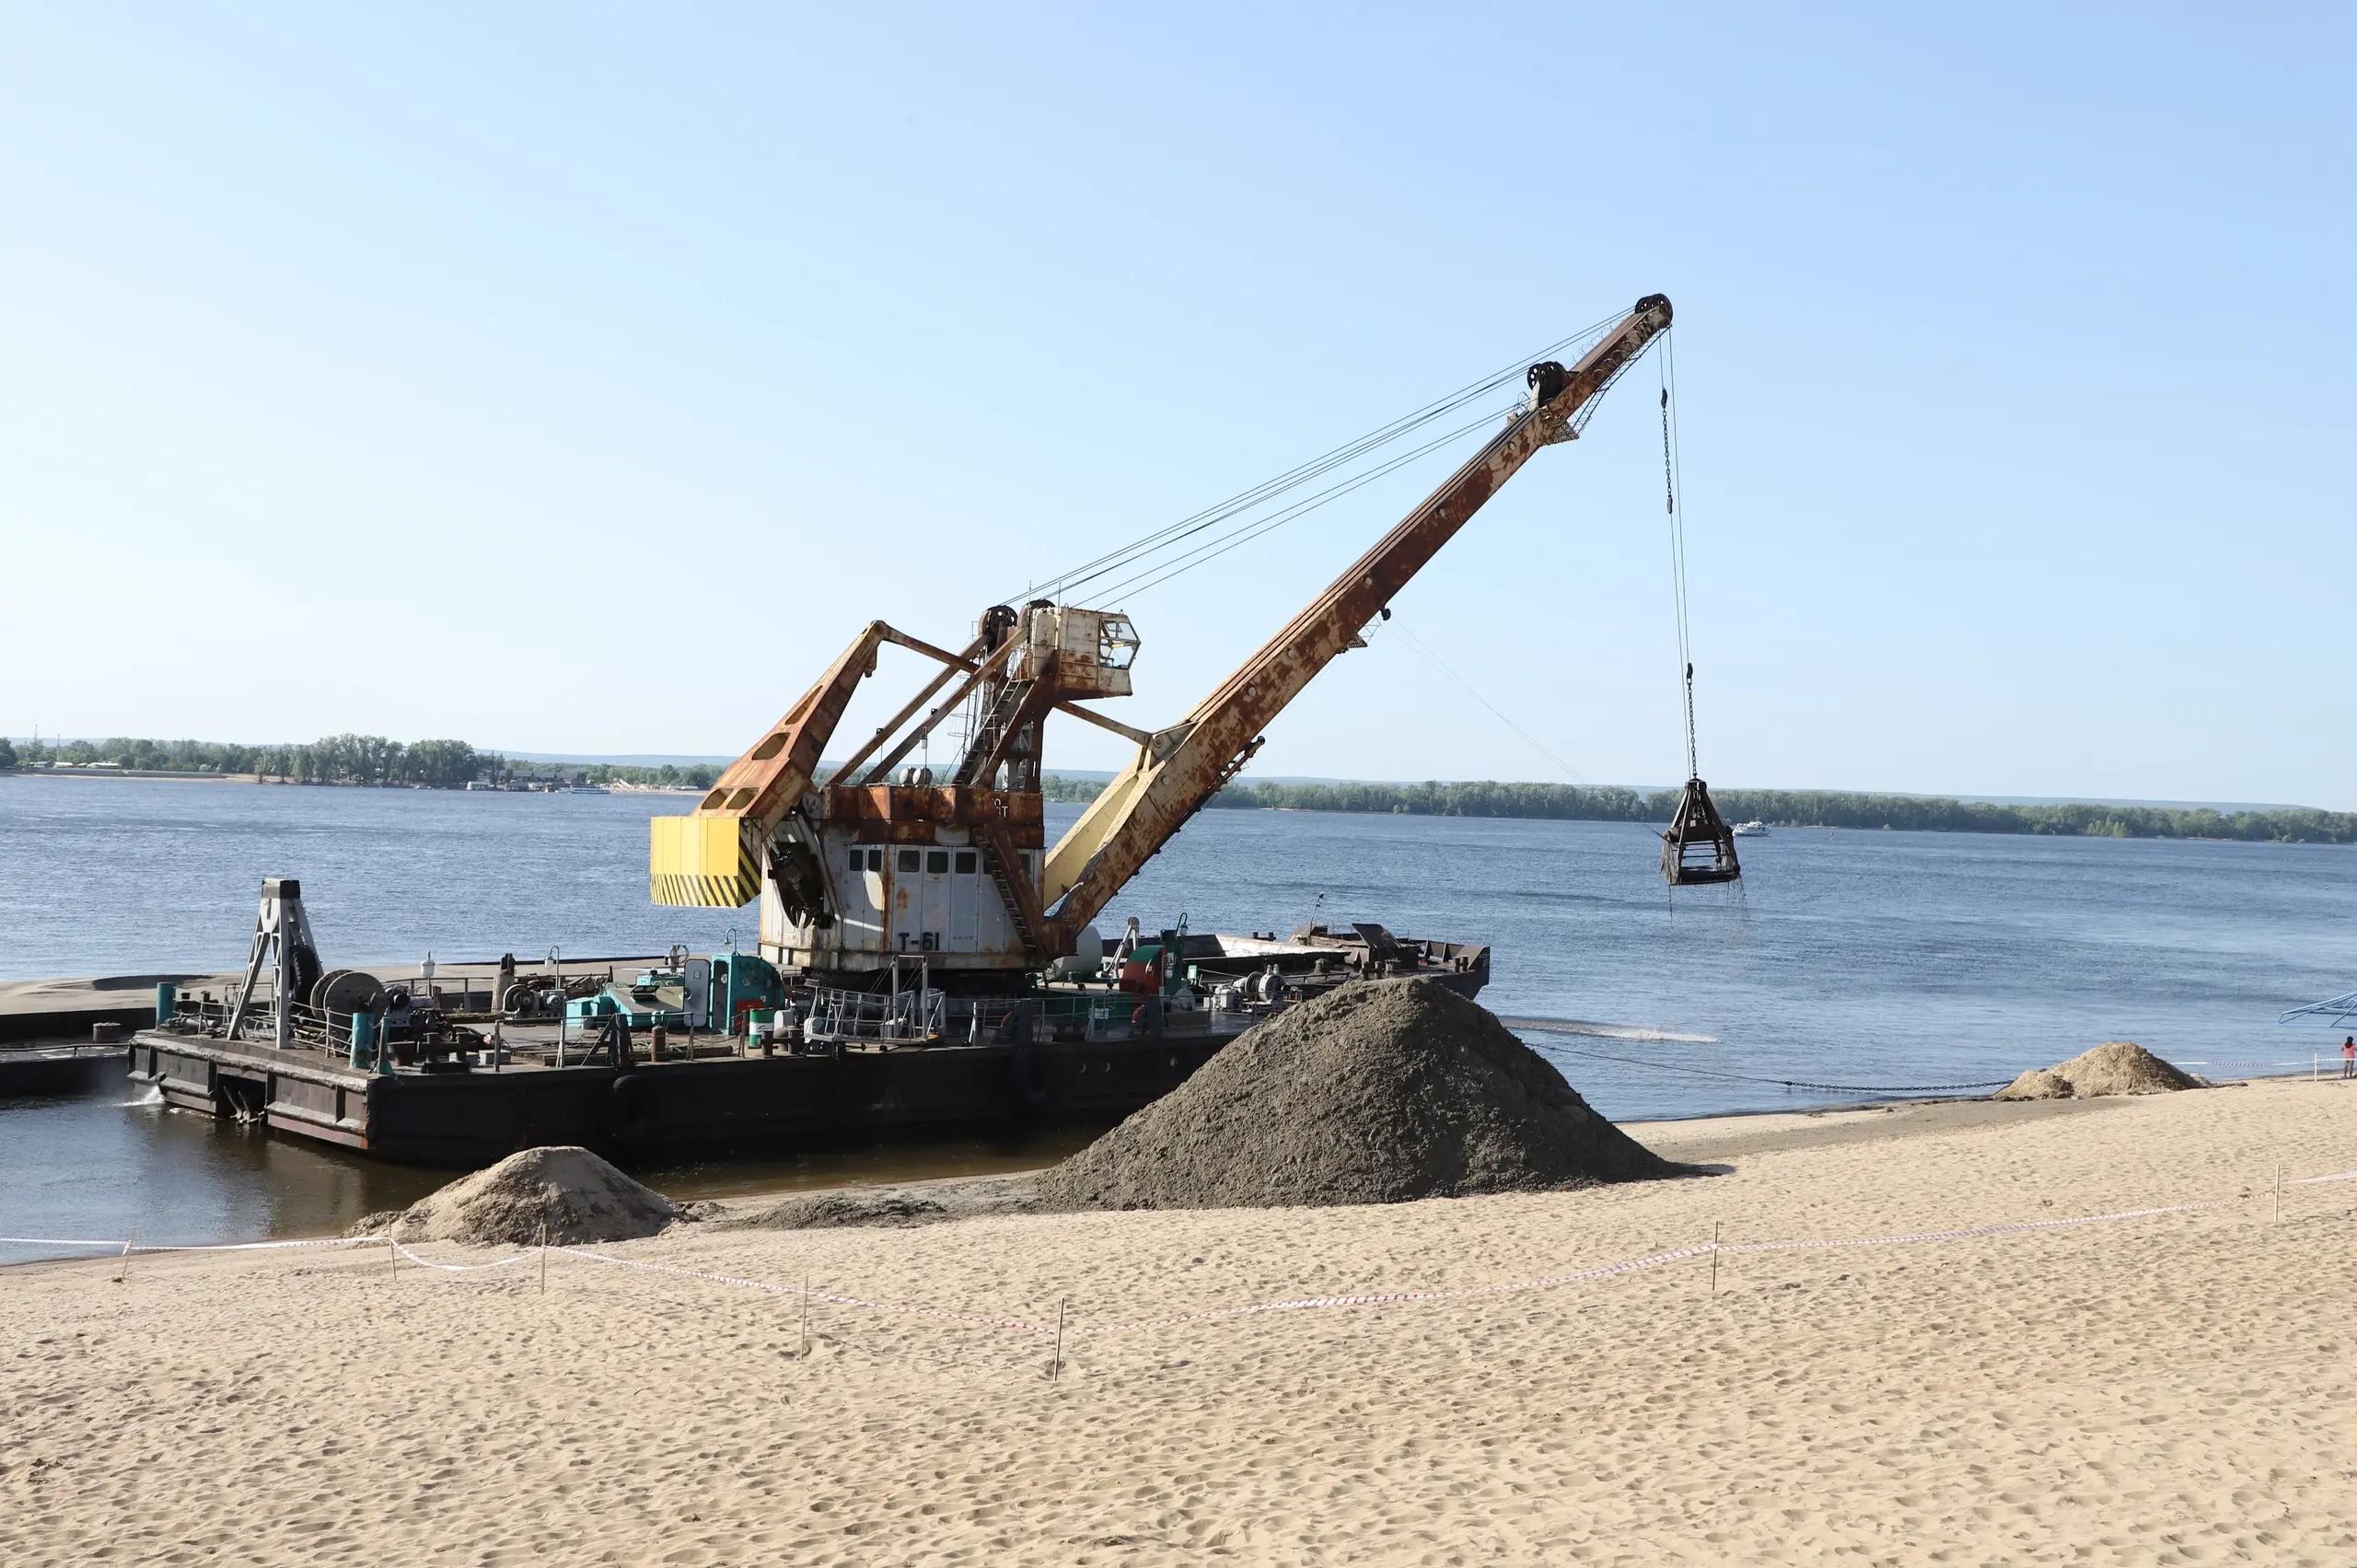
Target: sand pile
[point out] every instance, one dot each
(1375, 1093)
(564, 1193)
(2117, 1067)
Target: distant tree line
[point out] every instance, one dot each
(342, 759)
(668, 775)
(1783, 808)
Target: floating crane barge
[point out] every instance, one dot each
(925, 958)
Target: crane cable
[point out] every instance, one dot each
(1161, 571)
(1473, 692)
(1672, 483)
(1161, 539)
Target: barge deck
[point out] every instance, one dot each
(1074, 1054)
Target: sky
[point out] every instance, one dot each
(581, 378)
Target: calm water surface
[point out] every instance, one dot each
(1845, 958)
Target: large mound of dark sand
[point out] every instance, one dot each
(563, 1194)
(1375, 1093)
(2116, 1067)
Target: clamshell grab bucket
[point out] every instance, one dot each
(1698, 849)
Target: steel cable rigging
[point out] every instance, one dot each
(1132, 557)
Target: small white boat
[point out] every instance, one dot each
(1755, 828)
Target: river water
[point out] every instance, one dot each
(1854, 959)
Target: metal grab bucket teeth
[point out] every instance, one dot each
(1698, 849)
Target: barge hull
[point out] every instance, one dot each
(663, 1107)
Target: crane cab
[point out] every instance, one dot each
(1087, 652)
(944, 873)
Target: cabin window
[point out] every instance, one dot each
(965, 862)
(938, 860)
(858, 861)
(908, 860)
(876, 860)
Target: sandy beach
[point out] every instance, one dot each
(2174, 1388)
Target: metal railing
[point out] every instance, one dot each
(890, 1018)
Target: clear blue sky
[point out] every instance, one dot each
(580, 378)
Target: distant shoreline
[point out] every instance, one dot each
(1478, 799)
(167, 775)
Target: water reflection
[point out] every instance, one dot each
(95, 1166)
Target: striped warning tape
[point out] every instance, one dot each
(1224, 1314)
(119, 1244)
(1965, 1232)
(939, 1314)
(462, 1268)
(1384, 1298)
(2249, 1061)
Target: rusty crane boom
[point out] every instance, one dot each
(875, 863)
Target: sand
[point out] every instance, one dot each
(2179, 1389)
(561, 1194)
(2115, 1067)
(1375, 1093)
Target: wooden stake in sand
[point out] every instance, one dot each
(2279, 1193)
(806, 1312)
(1057, 1365)
(1714, 1257)
(124, 1272)
(544, 1258)
(392, 1258)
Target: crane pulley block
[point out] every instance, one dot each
(1697, 850)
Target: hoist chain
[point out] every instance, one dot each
(1668, 485)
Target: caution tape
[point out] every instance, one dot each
(1385, 1298)
(2246, 1062)
(461, 1268)
(1223, 1314)
(120, 1245)
(1723, 1075)
(939, 1314)
(1963, 1233)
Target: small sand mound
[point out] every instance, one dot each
(1375, 1093)
(2039, 1082)
(2117, 1067)
(564, 1193)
